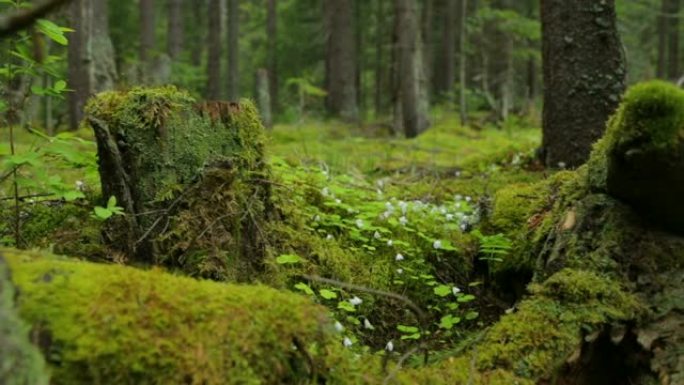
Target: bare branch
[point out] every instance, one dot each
(20, 20)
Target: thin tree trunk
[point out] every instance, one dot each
(414, 104)
(199, 34)
(449, 48)
(662, 39)
(264, 97)
(341, 60)
(380, 37)
(272, 55)
(584, 77)
(673, 32)
(462, 65)
(233, 49)
(175, 29)
(214, 50)
(77, 74)
(426, 30)
(147, 38)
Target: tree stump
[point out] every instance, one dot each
(191, 178)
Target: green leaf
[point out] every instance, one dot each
(102, 213)
(288, 259)
(407, 329)
(415, 336)
(471, 315)
(111, 202)
(60, 85)
(71, 196)
(442, 290)
(466, 298)
(304, 287)
(448, 321)
(327, 294)
(346, 306)
(52, 31)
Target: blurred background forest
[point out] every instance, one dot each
(315, 58)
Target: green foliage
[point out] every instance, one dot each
(104, 213)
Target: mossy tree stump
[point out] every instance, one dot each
(190, 177)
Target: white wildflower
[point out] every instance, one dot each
(317, 218)
(458, 205)
(458, 197)
(399, 258)
(338, 201)
(437, 244)
(449, 217)
(468, 199)
(455, 290)
(367, 324)
(390, 346)
(325, 191)
(389, 206)
(80, 185)
(442, 210)
(561, 164)
(464, 226)
(359, 223)
(356, 301)
(403, 221)
(400, 271)
(330, 237)
(377, 235)
(338, 326)
(390, 242)
(347, 342)
(403, 206)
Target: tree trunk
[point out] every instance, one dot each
(214, 51)
(78, 78)
(673, 32)
(233, 49)
(380, 39)
(427, 26)
(410, 71)
(341, 60)
(91, 66)
(662, 39)
(263, 97)
(448, 66)
(147, 38)
(272, 54)
(462, 65)
(198, 34)
(175, 29)
(584, 76)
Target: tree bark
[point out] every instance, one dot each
(380, 39)
(584, 76)
(91, 66)
(147, 38)
(198, 34)
(214, 51)
(77, 75)
(410, 70)
(673, 32)
(264, 97)
(462, 65)
(448, 67)
(662, 39)
(341, 60)
(272, 54)
(175, 29)
(427, 27)
(233, 49)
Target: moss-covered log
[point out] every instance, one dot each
(191, 177)
(108, 324)
(20, 362)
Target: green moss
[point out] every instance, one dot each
(118, 325)
(547, 328)
(196, 175)
(641, 158)
(20, 362)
